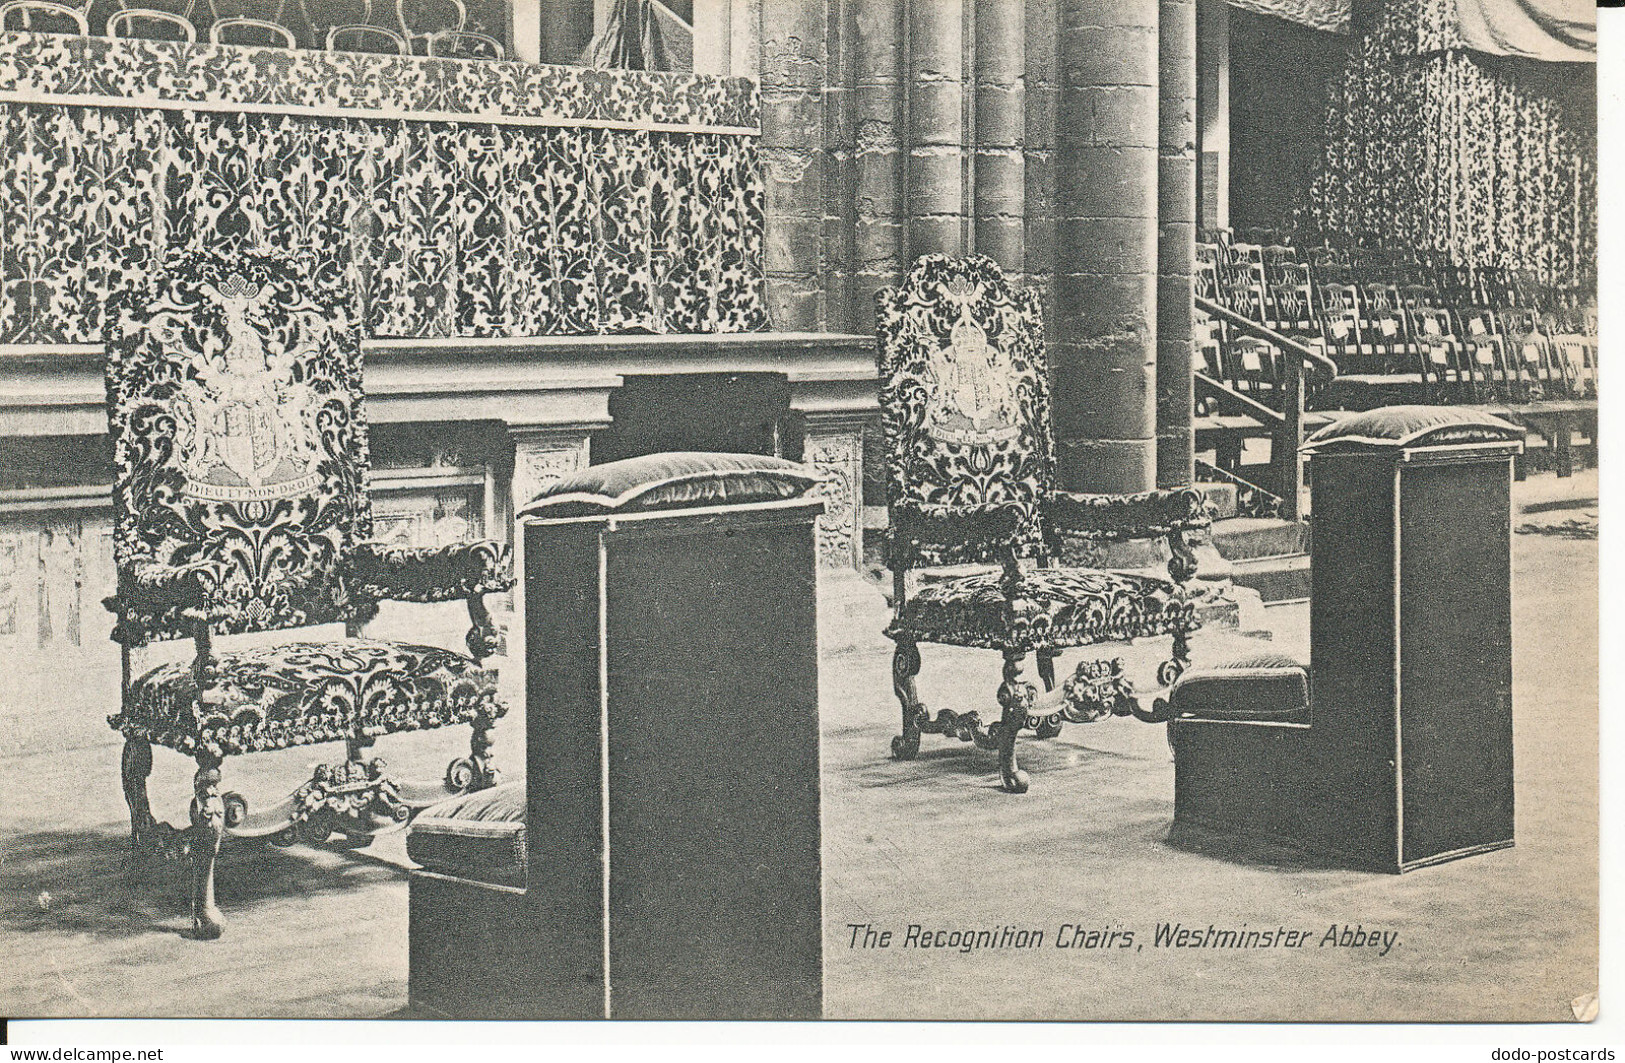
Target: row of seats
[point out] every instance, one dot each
(1399, 327)
(417, 30)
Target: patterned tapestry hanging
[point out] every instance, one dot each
(460, 198)
(1489, 161)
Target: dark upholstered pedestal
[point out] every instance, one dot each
(1405, 755)
(672, 781)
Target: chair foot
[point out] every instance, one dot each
(1013, 780)
(208, 815)
(905, 666)
(1016, 698)
(478, 770)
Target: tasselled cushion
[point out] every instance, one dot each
(1260, 687)
(1413, 426)
(675, 480)
(480, 836)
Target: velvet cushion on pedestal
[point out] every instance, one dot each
(1413, 426)
(478, 836)
(1260, 687)
(676, 480)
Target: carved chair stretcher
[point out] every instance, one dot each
(239, 437)
(970, 463)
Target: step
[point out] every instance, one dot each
(1267, 554)
(1220, 497)
(1276, 578)
(1241, 538)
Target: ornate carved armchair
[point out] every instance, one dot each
(240, 505)
(970, 464)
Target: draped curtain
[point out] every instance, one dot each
(640, 35)
(1490, 161)
(1553, 31)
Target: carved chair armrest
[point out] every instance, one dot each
(1142, 516)
(152, 592)
(468, 571)
(431, 573)
(1171, 513)
(941, 534)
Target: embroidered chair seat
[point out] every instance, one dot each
(300, 693)
(1050, 608)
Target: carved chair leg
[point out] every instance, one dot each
(1016, 698)
(905, 666)
(1046, 668)
(477, 770)
(137, 765)
(1174, 667)
(1049, 726)
(208, 827)
(479, 747)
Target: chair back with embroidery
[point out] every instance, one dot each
(234, 403)
(964, 401)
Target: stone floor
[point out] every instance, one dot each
(1510, 935)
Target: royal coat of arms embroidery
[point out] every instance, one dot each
(246, 430)
(971, 398)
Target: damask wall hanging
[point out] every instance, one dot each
(1492, 161)
(463, 198)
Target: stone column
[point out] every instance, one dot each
(744, 38)
(564, 27)
(713, 22)
(1000, 187)
(1176, 242)
(1214, 111)
(936, 127)
(877, 99)
(525, 30)
(792, 80)
(1042, 99)
(840, 208)
(1103, 330)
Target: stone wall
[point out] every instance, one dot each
(1055, 136)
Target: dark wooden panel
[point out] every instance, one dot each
(1456, 660)
(563, 769)
(715, 901)
(478, 951)
(1352, 805)
(1240, 777)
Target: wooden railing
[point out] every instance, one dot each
(1286, 422)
